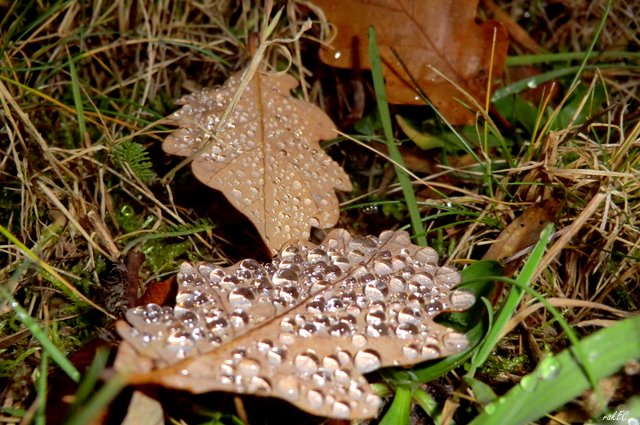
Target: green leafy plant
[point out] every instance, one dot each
(134, 155)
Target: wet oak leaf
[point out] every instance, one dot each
(267, 161)
(425, 34)
(304, 327)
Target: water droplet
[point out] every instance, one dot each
(340, 410)
(359, 340)
(490, 409)
(532, 84)
(427, 255)
(248, 367)
(275, 356)
(315, 399)
(288, 387)
(376, 290)
(241, 298)
(366, 361)
(259, 385)
(285, 277)
(455, 342)
(331, 363)
(421, 279)
(382, 267)
(529, 383)
(409, 316)
(375, 317)
(306, 363)
(265, 345)
(406, 331)
(227, 369)
(343, 357)
(249, 264)
(181, 338)
(548, 368)
(239, 319)
(317, 254)
(229, 282)
(307, 330)
(342, 376)
(320, 378)
(287, 338)
(335, 305)
(377, 330)
(462, 300)
(340, 329)
(355, 391)
(410, 351)
(316, 306)
(289, 293)
(447, 277)
(430, 351)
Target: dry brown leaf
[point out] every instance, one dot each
(304, 328)
(524, 231)
(425, 34)
(267, 161)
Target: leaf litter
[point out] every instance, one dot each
(304, 327)
(267, 160)
(431, 38)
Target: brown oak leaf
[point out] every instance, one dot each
(304, 327)
(267, 160)
(425, 34)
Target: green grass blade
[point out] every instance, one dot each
(512, 301)
(425, 401)
(400, 410)
(568, 56)
(536, 80)
(77, 100)
(394, 153)
(576, 78)
(100, 400)
(91, 377)
(42, 389)
(40, 335)
(560, 378)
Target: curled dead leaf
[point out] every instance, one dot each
(267, 160)
(304, 328)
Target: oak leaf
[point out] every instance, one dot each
(304, 328)
(426, 34)
(267, 160)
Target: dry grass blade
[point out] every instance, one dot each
(304, 327)
(267, 161)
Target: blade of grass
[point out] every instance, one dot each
(511, 303)
(40, 335)
(521, 285)
(385, 118)
(568, 56)
(91, 377)
(42, 389)
(425, 401)
(99, 401)
(51, 271)
(576, 78)
(77, 99)
(559, 379)
(536, 80)
(400, 410)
